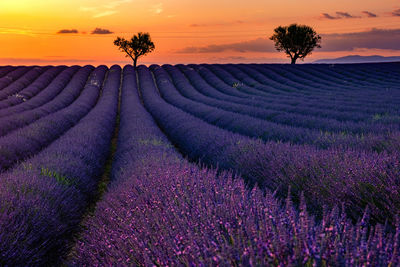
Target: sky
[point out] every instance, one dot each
(190, 31)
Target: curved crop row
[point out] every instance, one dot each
(162, 211)
(13, 76)
(6, 69)
(32, 89)
(67, 96)
(211, 97)
(42, 200)
(357, 103)
(27, 141)
(265, 130)
(326, 177)
(232, 121)
(222, 83)
(22, 82)
(47, 94)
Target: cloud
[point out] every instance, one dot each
(396, 13)
(64, 31)
(340, 15)
(345, 15)
(327, 16)
(101, 31)
(104, 10)
(105, 13)
(369, 14)
(387, 39)
(257, 45)
(157, 9)
(18, 31)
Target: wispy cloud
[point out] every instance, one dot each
(104, 10)
(387, 39)
(105, 13)
(327, 16)
(257, 45)
(395, 13)
(101, 31)
(340, 15)
(157, 9)
(66, 31)
(345, 15)
(18, 31)
(369, 14)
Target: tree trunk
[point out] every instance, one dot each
(135, 62)
(294, 58)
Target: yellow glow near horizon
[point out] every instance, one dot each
(28, 29)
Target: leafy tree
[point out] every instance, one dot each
(297, 41)
(139, 45)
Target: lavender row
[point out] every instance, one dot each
(211, 97)
(310, 90)
(13, 76)
(353, 93)
(29, 140)
(22, 82)
(298, 76)
(32, 89)
(6, 69)
(138, 132)
(295, 106)
(355, 104)
(43, 200)
(304, 107)
(165, 212)
(326, 177)
(170, 214)
(348, 94)
(326, 74)
(228, 80)
(266, 130)
(69, 92)
(47, 94)
(232, 121)
(363, 69)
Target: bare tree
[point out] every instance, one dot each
(297, 41)
(139, 45)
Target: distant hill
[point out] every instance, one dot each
(359, 59)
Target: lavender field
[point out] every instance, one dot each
(200, 165)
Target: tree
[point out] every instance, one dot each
(139, 45)
(297, 41)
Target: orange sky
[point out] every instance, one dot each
(187, 31)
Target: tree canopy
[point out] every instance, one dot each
(139, 45)
(297, 41)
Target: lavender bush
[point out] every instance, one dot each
(326, 176)
(32, 89)
(22, 82)
(42, 200)
(13, 75)
(29, 140)
(48, 93)
(163, 211)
